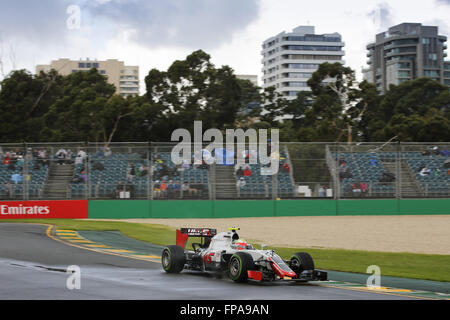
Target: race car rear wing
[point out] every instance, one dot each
(184, 234)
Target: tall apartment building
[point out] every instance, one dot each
(124, 78)
(405, 52)
(290, 59)
(447, 73)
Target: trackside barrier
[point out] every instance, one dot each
(127, 209)
(133, 209)
(68, 209)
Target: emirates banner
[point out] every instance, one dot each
(67, 209)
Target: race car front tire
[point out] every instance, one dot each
(301, 261)
(239, 265)
(173, 259)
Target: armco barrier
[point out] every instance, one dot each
(67, 209)
(123, 209)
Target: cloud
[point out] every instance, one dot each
(444, 2)
(381, 17)
(191, 24)
(177, 23)
(41, 21)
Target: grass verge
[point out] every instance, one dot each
(406, 265)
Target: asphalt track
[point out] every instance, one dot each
(33, 266)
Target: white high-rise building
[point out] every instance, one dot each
(289, 59)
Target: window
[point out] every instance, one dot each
(95, 65)
(403, 74)
(88, 65)
(81, 65)
(102, 72)
(296, 84)
(312, 37)
(302, 65)
(313, 48)
(313, 57)
(432, 56)
(431, 73)
(403, 65)
(425, 40)
(299, 75)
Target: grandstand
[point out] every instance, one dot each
(145, 171)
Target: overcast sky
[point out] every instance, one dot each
(154, 33)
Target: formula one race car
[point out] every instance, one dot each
(225, 252)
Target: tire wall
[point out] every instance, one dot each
(127, 209)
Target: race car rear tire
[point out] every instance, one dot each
(173, 259)
(301, 261)
(238, 267)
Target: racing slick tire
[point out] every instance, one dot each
(301, 261)
(173, 259)
(239, 264)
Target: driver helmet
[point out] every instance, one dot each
(241, 244)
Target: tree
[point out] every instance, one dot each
(24, 100)
(77, 114)
(416, 110)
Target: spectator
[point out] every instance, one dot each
(100, 153)
(42, 157)
(445, 152)
(356, 188)
(119, 188)
(170, 189)
(61, 155)
(426, 152)
(364, 188)
(447, 164)
(157, 189)
(436, 150)
(344, 172)
(386, 178)
(239, 172)
(164, 189)
(286, 167)
(77, 179)
(78, 160)
(422, 165)
(247, 171)
(143, 170)
(341, 160)
(322, 191)
(12, 165)
(240, 184)
(108, 152)
(129, 187)
(17, 178)
(83, 176)
(373, 162)
(82, 154)
(425, 172)
(9, 191)
(187, 190)
(7, 159)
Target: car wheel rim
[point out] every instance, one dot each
(166, 259)
(235, 266)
